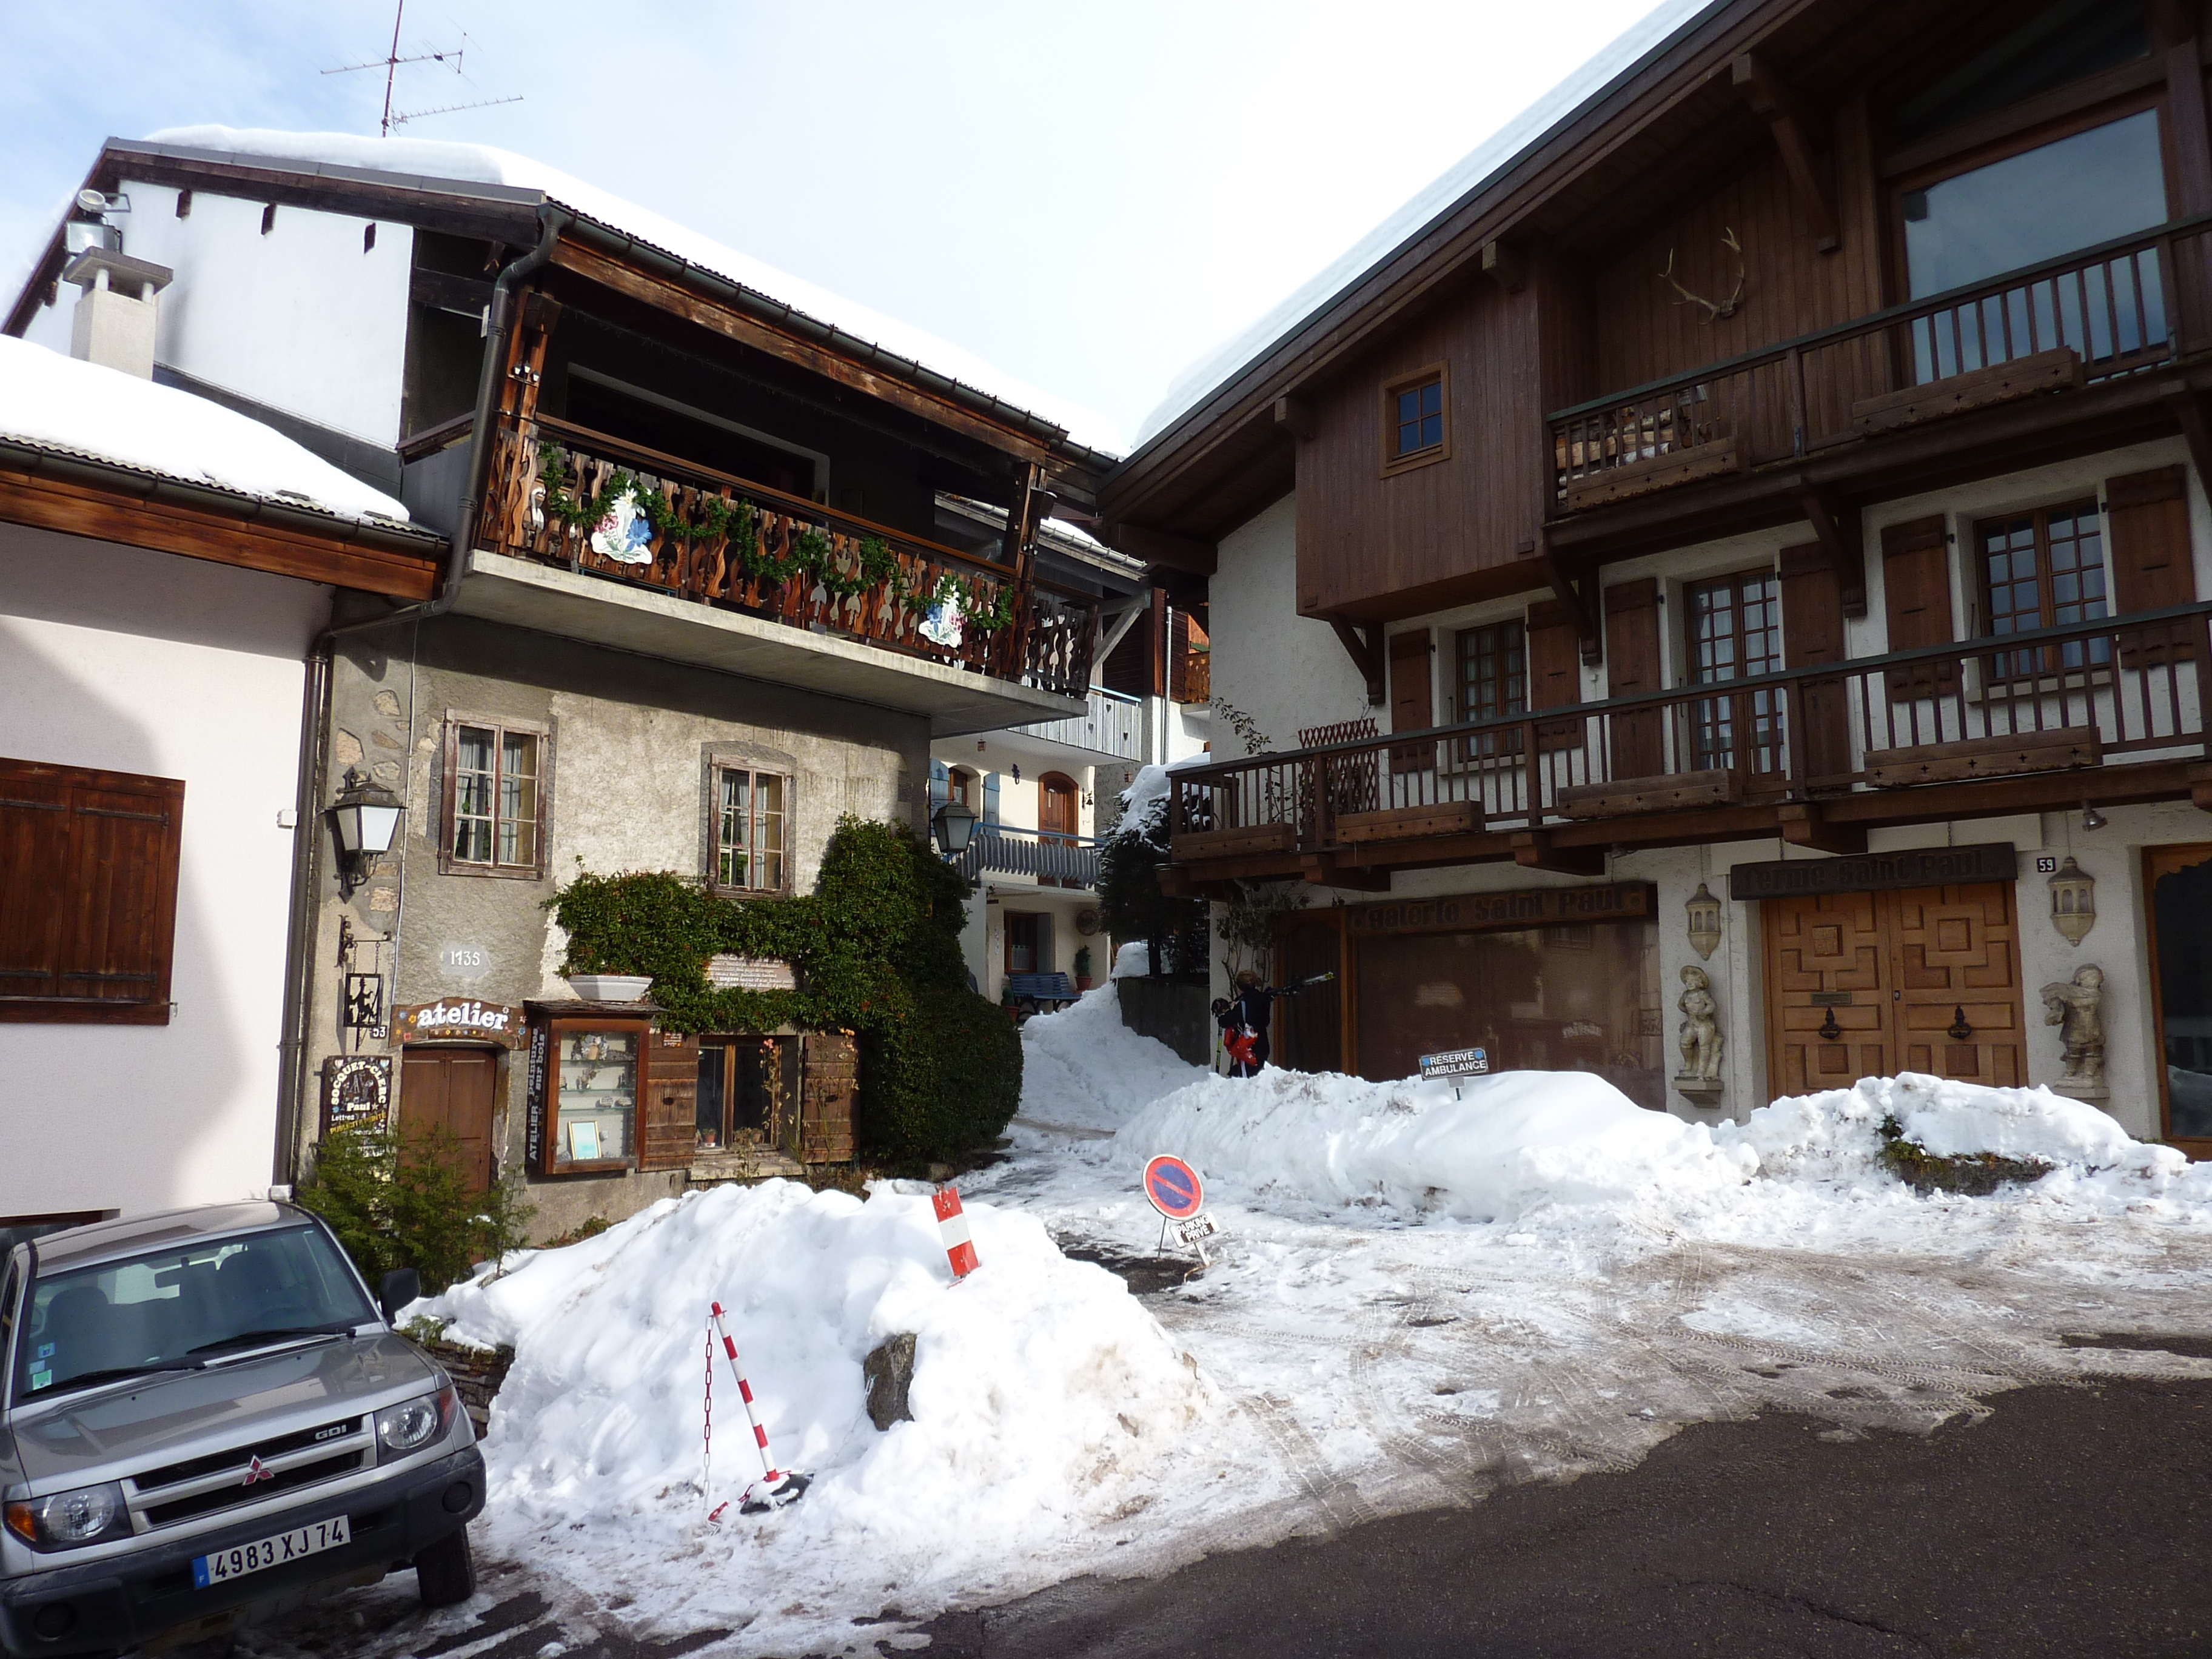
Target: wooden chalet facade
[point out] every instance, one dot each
(700, 606)
(1760, 528)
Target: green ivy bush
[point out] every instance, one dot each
(394, 1206)
(877, 947)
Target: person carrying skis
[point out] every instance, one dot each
(1244, 1020)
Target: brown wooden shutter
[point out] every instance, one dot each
(1411, 706)
(88, 894)
(668, 1100)
(1632, 668)
(2151, 561)
(1813, 633)
(1555, 673)
(829, 1089)
(1916, 571)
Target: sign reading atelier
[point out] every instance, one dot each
(1529, 907)
(1876, 872)
(464, 1019)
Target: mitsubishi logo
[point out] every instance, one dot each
(255, 1471)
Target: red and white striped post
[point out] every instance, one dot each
(782, 1485)
(952, 1224)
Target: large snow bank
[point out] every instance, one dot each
(1041, 1391)
(84, 408)
(482, 164)
(1082, 1067)
(1509, 1144)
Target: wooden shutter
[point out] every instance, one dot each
(829, 1089)
(2152, 565)
(1555, 673)
(668, 1100)
(1915, 573)
(88, 894)
(1411, 706)
(1632, 668)
(1813, 633)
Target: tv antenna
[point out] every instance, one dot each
(390, 64)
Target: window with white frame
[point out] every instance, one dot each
(494, 798)
(751, 819)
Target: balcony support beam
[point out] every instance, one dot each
(1578, 600)
(1796, 129)
(1535, 849)
(1835, 522)
(1803, 825)
(1365, 649)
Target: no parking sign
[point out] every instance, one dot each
(1173, 1187)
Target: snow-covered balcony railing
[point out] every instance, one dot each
(587, 503)
(1046, 857)
(2108, 709)
(2117, 309)
(1110, 724)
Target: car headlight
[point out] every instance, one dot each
(414, 1424)
(65, 1520)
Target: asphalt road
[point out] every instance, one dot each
(2073, 1520)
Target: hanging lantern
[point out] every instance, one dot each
(2072, 901)
(1704, 921)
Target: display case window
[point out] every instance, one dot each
(597, 1098)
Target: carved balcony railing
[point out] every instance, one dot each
(2109, 694)
(1052, 859)
(2104, 313)
(920, 599)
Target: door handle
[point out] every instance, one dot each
(1829, 1030)
(1959, 1030)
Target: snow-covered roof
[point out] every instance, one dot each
(66, 407)
(1477, 168)
(484, 165)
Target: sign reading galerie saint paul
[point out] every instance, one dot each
(1528, 906)
(459, 1019)
(1876, 872)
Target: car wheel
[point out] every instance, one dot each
(446, 1573)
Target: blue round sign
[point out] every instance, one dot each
(1173, 1187)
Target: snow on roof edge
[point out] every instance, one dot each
(1474, 171)
(437, 161)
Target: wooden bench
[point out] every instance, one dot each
(1451, 817)
(1676, 466)
(1233, 843)
(1666, 793)
(2059, 370)
(2004, 756)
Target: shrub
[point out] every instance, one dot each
(395, 1206)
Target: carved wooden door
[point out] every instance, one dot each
(1957, 983)
(1828, 1017)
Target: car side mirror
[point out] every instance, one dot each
(399, 1287)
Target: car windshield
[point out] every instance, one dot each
(181, 1308)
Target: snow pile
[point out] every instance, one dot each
(1509, 1143)
(1083, 1067)
(482, 164)
(1042, 1392)
(58, 403)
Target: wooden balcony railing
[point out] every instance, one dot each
(2116, 309)
(2116, 690)
(585, 501)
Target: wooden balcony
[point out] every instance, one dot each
(2109, 711)
(1808, 409)
(769, 585)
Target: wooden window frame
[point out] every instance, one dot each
(1997, 669)
(23, 782)
(752, 769)
(1394, 463)
(1746, 712)
(548, 1160)
(1483, 746)
(500, 726)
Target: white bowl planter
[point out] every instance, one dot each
(612, 988)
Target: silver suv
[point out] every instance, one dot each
(205, 1416)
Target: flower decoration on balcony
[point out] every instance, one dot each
(941, 626)
(623, 533)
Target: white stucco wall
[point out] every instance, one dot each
(146, 663)
(301, 319)
(1284, 670)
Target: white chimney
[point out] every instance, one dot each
(114, 320)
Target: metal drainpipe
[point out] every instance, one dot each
(314, 752)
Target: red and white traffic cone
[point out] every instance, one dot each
(952, 1225)
(777, 1486)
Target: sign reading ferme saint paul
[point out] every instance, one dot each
(1876, 872)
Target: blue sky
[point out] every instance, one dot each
(1087, 195)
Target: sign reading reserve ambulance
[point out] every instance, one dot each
(459, 1019)
(1455, 1062)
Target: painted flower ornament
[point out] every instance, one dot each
(941, 626)
(625, 534)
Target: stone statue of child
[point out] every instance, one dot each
(2075, 1008)
(1701, 1029)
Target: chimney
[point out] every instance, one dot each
(114, 320)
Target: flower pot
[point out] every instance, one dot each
(612, 988)
(1082, 981)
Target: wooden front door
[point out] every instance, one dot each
(1871, 984)
(455, 1090)
(1059, 810)
(2177, 890)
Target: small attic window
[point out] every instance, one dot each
(184, 204)
(368, 239)
(269, 218)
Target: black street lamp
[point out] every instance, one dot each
(953, 824)
(365, 817)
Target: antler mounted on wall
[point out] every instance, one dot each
(1724, 309)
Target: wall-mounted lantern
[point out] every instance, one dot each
(1704, 912)
(2072, 901)
(952, 824)
(365, 817)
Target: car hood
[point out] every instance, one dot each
(179, 1415)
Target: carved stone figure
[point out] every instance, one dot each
(2076, 1008)
(1701, 1028)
